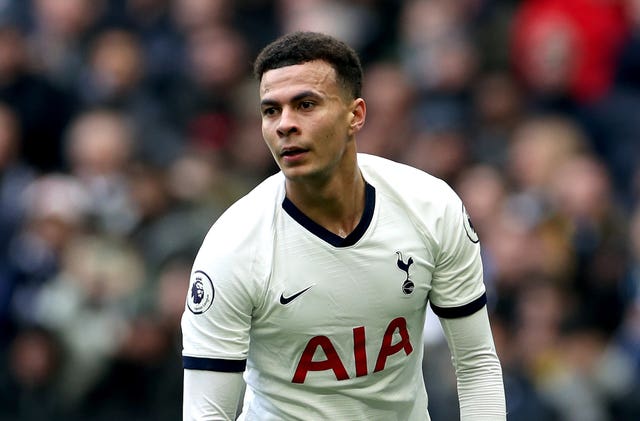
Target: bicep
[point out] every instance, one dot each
(457, 285)
(211, 395)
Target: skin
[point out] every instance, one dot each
(309, 123)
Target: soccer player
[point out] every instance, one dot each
(315, 284)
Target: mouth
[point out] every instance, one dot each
(291, 152)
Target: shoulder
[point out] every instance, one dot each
(404, 182)
(246, 225)
(256, 204)
(433, 206)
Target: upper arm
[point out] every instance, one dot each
(457, 285)
(223, 291)
(216, 323)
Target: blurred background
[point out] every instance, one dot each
(128, 126)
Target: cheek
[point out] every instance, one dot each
(335, 135)
(268, 140)
(266, 134)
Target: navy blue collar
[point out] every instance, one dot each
(326, 235)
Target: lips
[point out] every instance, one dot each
(292, 151)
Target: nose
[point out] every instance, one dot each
(287, 124)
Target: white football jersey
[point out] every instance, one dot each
(331, 327)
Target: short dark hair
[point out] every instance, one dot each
(302, 47)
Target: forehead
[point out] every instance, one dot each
(314, 75)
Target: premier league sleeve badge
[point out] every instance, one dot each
(468, 226)
(201, 292)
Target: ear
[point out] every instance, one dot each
(358, 115)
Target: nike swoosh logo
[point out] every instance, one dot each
(286, 300)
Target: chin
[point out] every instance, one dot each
(295, 174)
(295, 170)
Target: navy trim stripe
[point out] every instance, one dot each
(214, 364)
(326, 235)
(462, 311)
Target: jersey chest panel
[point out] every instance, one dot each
(350, 296)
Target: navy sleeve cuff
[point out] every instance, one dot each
(214, 364)
(462, 311)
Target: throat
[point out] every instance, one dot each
(340, 217)
(337, 207)
(342, 233)
(338, 229)
(343, 228)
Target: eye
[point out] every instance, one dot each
(269, 111)
(306, 105)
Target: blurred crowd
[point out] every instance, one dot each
(128, 126)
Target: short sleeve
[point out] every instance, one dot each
(217, 316)
(457, 286)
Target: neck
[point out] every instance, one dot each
(335, 204)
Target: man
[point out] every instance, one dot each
(317, 281)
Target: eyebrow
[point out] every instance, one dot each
(297, 97)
